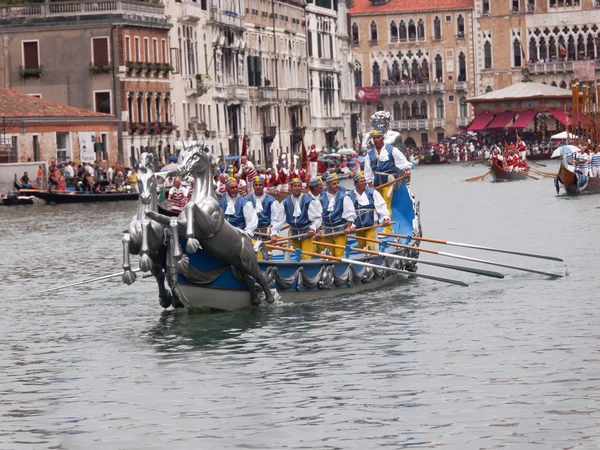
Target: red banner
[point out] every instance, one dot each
(368, 94)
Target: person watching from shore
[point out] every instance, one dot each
(133, 181)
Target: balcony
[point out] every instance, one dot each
(403, 89)
(190, 86)
(460, 36)
(411, 124)
(552, 67)
(269, 132)
(229, 18)
(191, 12)
(61, 10)
(439, 123)
(267, 93)
(298, 94)
(330, 123)
(239, 93)
(463, 121)
(460, 86)
(321, 63)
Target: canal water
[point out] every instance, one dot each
(512, 363)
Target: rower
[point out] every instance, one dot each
(366, 201)
(338, 214)
(178, 195)
(304, 215)
(239, 212)
(267, 208)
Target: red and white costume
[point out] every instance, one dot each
(313, 158)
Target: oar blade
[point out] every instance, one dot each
(473, 270)
(499, 250)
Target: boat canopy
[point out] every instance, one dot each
(524, 119)
(501, 119)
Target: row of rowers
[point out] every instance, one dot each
(328, 214)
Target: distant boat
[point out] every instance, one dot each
(574, 182)
(80, 197)
(499, 174)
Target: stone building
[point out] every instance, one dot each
(549, 38)
(109, 57)
(419, 54)
(36, 129)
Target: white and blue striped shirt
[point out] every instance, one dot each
(596, 159)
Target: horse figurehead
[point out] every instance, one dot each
(196, 161)
(146, 181)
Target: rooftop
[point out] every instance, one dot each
(15, 104)
(522, 90)
(405, 6)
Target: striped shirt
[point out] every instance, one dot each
(582, 161)
(250, 171)
(596, 159)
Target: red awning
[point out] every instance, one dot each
(501, 119)
(561, 116)
(480, 121)
(524, 119)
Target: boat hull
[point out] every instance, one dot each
(499, 174)
(60, 198)
(573, 183)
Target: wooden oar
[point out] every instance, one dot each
(384, 185)
(90, 280)
(537, 163)
(358, 229)
(487, 273)
(468, 258)
(546, 174)
(373, 266)
(478, 247)
(531, 176)
(480, 177)
(281, 238)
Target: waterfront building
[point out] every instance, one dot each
(109, 57)
(552, 39)
(36, 129)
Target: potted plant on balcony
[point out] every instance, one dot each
(165, 68)
(204, 82)
(135, 67)
(151, 68)
(30, 73)
(100, 69)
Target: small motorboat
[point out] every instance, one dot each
(13, 198)
(60, 197)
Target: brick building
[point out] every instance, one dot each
(106, 56)
(35, 129)
(420, 55)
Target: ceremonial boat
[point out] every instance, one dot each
(574, 182)
(79, 197)
(211, 265)
(499, 174)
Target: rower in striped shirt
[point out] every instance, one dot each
(596, 163)
(247, 172)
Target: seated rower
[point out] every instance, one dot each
(338, 215)
(366, 201)
(239, 212)
(267, 208)
(304, 215)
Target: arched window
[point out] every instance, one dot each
(393, 32)
(424, 109)
(396, 71)
(460, 26)
(488, 89)
(533, 54)
(552, 47)
(571, 48)
(414, 69)
(580, 48)
(358, 76)
(420, 29)
(415, 110)
(440, 108)
(487, 52)
(402, 30)
(397, 111)
(462, 67)
(355, 37)
(517, 53)
(563, 84)
(405, 110)
(464, 107)
(590, 48)
(543, 50)
(439, 74)
(373, 31)
(425, 71)
(376, 75)
(412, 30)
(437, 29)
(553, 84)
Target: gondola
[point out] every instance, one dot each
(574, 182)
(499, 174)
(60, 197)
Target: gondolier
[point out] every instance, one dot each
(338, 214)
(178, 196)
(267, 208)
(521, 148)
(383, 159)
(238, 211)
(366, 201)
(304, 215)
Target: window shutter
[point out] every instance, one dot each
(30, 51)
(100, 51)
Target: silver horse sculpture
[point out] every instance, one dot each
(144, 237)
(203, 224)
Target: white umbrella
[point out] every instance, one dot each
(346, 152)
(563, 135)
(566, 150)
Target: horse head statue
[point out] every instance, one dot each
(196, 160)
(146, 180)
